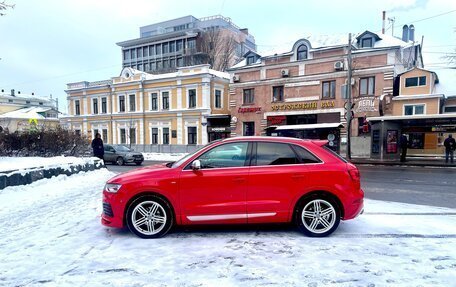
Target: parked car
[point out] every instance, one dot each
(120, 155)
(273, 179)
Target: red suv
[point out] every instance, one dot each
(238, 180)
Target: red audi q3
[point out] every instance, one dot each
(238, 180)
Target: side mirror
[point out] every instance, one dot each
(196, 165)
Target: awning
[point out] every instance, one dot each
(309, 126)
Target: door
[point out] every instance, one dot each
(277, 174)
(109, 153)
(216, 192)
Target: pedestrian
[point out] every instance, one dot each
(404, 144)
(450, 146)
(97, 146)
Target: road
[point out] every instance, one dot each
(416, 185)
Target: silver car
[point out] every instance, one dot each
(120, 155)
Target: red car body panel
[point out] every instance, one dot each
(247, 194)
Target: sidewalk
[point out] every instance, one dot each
(411, 161)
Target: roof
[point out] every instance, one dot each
(25, 97)
(28, 113)
(446, 84)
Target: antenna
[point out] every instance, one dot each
(392, 20)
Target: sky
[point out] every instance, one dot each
(48, 43)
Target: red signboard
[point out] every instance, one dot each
(249, 110)
(277, 120)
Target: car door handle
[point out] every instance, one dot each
(239, 179)
(297, 176)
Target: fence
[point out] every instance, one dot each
(166, 148)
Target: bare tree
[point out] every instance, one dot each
(219, 48)
(4, 6)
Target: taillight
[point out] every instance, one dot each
(354, 174)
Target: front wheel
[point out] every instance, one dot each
(149, 217)
(120, 161)
(318, 216)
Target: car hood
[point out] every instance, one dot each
(158, 171)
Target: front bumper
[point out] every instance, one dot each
(113, 210)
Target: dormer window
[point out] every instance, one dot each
(366, 43)
(415, 81)
(250, 60)
(301, 52)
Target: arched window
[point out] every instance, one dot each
(301, 52)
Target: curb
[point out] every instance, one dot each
(24, 177)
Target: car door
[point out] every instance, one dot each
(216, 192)
(109, 153)
(277, 173)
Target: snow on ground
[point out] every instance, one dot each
(51, 236)
(163, 156)
(20, 163)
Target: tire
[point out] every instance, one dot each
(149, 217)
(317, 216)
(120, 161)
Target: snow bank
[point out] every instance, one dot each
(51, 236)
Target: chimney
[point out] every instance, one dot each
(383, 22)
(244, 30)
(412, 33)
(405, 33)
(12, 93)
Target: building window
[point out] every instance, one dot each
(95, 106)
(248, 96)
(126, 54)
(180, 62)
(123, 137)
(121, 103)
(154, 101)
(146, 67)
(218, 99)
(249, 129)
(179, 45)
(105, 135)
(192, 98)
(328, 90)
(132, 101)
(366, 43)
(165, 48)
(165, 135)
(139, 52)
(133, 53)
(154, 135)
(250, 60)
(40, 103)
(301, 53)
(145, 51)
(191, 135)
(172, 47)
(165, 100)
(10, 101)
(104, 105)
(132, 135)
(77, 110)
(367, 86)
(450, 109)
(158, 49)
(415, 81)
(413, 110)
(277, 94)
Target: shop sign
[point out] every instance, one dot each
(366, 104)
(277, 120)
(249, 110)
(305, 106)
(218, 129)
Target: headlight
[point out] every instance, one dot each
(112, 187)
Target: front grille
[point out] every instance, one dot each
(137, 156)
(107, 210)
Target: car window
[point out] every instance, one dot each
(108, 148)
(305, 156)
(122, 148)
(275, 154)
(227, 155)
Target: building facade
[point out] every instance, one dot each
(165, 46)
(185, 108)
(19, 111)
(302, 93)
(424, 110)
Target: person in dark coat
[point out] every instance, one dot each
(450, 146)
(403, 145)
(97, 146)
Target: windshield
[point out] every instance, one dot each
(121, 148)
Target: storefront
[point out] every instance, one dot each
(218, 127)
(425, 134)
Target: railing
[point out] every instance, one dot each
(166, 148)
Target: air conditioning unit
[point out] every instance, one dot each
(236, 78)
(285, 72)
(339, 65)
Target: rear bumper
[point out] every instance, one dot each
(354, 207)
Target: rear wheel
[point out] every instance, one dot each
(149, 217)
(317, 216)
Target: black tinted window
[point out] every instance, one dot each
(305, 156)
(275, 154)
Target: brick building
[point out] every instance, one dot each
(302, 93)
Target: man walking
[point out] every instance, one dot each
(97, 145)
(450, 146)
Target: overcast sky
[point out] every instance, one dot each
(48, 43)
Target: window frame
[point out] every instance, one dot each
(418, 81)
(154, 136)
(154, 104)
(331, 85)
(165, 103)
(104, 105)
(281, 93)
(194, 135)
(244, 125)
(95, 106)
(132, 104)
(77, 107)
(302, 52)
(218, 103)
(122, 104)
(248, 94)
(165, 140)
(369, 40)
(414, 106)
(191, 104)
(367, 87)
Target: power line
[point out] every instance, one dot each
(424, 19)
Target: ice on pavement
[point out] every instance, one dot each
(51, 236)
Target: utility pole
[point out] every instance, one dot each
(349, 97)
